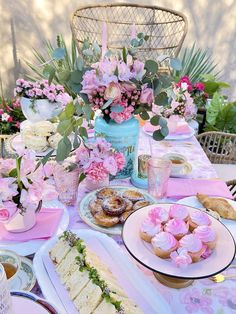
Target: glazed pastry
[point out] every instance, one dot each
(36, 143)
(149, 229)
(159, 214)
(207, 235)
(54, 139)
(179, 211)
(128, 206)
(133, 195)
(95, 206)
(177, 227)
(193, 245)
(104, 220)
(114, 206)
(164, 243)
(125, 215)
(221, 206)
(141, 204)
(198, 218)
(106, 192)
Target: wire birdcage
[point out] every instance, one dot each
(166, 28)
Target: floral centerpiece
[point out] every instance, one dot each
(97, 160)
(24, 185)
(10, 116)
(41, 100)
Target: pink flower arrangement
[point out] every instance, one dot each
(20, 180)
(41, 90)
(96, 159)
(109, 87)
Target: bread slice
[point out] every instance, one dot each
(65, 264)
(129, 306)
(76, 283)
(105, 308)
(59, 251)
(88, 299)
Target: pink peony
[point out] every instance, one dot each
(128, 87)
(97, 172)
(147, 95)
(125, 115)
(124, 73)
(120, 160)
(113, 91)
(110, 165)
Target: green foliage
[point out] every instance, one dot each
(221, 116)
(212, 85)
(196, 62)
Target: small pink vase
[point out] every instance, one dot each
(66, 184)
(21, 222)
(94, 185)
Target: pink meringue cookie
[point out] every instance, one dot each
(158, 214)
(150, 228)
(191, 242)
(199, 218)
(205, 233)
(178, 211)
(207, 252)
(181, 258)
(164, 240)
(177, 227)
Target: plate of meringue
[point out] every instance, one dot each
(178, 241)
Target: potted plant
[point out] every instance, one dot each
(40, 100)
(25, 184)
(97, 160)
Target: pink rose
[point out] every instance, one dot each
(200, 86)
(8, 210)
(147, 95)
(128, 86)
(113, 91)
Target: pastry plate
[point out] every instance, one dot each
(133, 281)
(25, 279)
(25, 302)
(87, 217)
(30, 247)
(193, 201)
(174, 137)
(142, 251)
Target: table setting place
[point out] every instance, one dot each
(109, 199)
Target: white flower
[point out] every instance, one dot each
(5, 117)
(184, 86)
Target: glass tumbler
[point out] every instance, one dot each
(158, 174)
(5, 297)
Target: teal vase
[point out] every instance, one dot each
(124, 139)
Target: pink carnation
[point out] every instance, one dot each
(110, 165)
(120, 117)
(97, 172)
(120, 160)
(200, 86)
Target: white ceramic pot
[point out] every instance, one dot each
(21, 222)
(40, 109)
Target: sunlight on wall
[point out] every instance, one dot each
(28, 23)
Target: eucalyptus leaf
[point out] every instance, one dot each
(79, 63)
(87, 111)
(63, 76)
(162, 122)
(78, 109)
(76, 76)
(63, 149)
(59, 53)
(107, 103)
(154, 120)
(175, 64)
(140, 35)
(83, 132)
(151, 66)
(158, 136)
(161, 99)
(144, 115)
(69, 110)
(82, 177)
(65, 127)
(164, 131)
(134, 42)
(76, 142)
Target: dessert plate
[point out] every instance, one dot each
(25, 279)
(87, 217)
(193, 201)
(30, 247)
(25, 302)
(143, 253)
(132, 280)
(172, 137)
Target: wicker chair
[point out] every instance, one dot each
(166, 28)
(219, 147)
(232, 187)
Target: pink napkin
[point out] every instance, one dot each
(179, 188)
(181, 128)
(47, 223)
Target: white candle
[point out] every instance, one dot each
(133, 31)
(104, 39)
